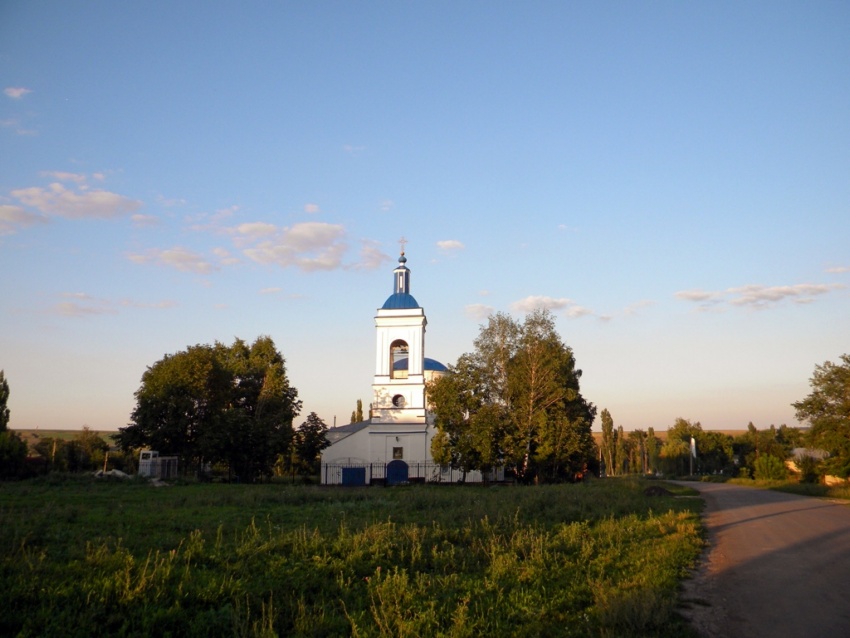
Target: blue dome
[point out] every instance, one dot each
(400, 301)
(430, 364)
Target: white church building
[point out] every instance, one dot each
(394, 444)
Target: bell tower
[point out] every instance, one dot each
(398, 388)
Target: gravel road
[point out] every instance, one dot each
(777, 565)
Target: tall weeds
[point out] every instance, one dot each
(553, 561)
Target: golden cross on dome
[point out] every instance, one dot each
(402, 242)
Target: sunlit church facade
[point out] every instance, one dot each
(394, 444)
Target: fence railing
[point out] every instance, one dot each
(351, 474)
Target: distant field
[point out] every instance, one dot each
(85, 557)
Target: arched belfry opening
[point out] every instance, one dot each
(399, 359)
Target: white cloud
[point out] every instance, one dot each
(632, 309)
(84, 305)
(225, 256)
(311, 208)
(58, 200)
(371, 256)
(761, 296)
(534, 302)
(478, 311)
(15, 218)
(62, 176)
(758, 296)
(156, 305)
(838, 269)
(256, 229)
(574, 312)
(16, 92)
(177, 257)
(307, 246)
(270, 291)
(387, 205)
(144, 221)
(696, 295)
(450, 244)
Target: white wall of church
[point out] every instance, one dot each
(352, 449)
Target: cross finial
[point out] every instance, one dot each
(402, 242)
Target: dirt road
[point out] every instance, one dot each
(777, 565)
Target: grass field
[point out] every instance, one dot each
(121, 558)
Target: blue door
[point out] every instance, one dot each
(353, 476)
(396, 472)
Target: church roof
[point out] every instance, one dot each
(400, 301)
(337, 434)
(430, 364)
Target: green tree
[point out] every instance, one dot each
(13, 454)
(89, 448)
(676, 451)
(653, 448)
(230, 405)
(357, 414)
(4, 398)
(827, 410)
(608, 441)
(310, 440)
(620, 452)
(515, 402)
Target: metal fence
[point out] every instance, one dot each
(378, 474)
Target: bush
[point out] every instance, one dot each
(770, 468)
(809, 469)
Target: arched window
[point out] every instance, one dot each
(399, 358)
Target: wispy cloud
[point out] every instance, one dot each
(81, 304)
(574, 312)
(144, 221)
(478, 311)
(311, 209)
(179, 258)
(371, 256)
(308, 246)
(838, 269)
(567, 307)
(16, 92)
(636, 307)
(535, 302)
(449, 245)
(757, 296)
(270, 291)
(225, 257)
(15, 218)
(77, 202)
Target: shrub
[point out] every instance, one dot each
(769, 468)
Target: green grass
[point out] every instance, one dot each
(86, 557)
(803, 489)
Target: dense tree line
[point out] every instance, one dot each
(13, 449)
(514, 402)
(227, 406)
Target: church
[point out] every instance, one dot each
(393, 445)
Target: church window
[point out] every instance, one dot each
(398, 401)
(399, 359)
(398, 453)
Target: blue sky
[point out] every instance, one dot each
(671, 179)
